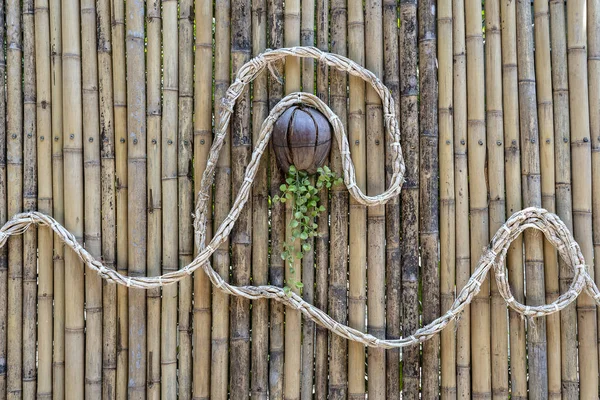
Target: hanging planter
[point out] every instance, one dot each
(301, 137)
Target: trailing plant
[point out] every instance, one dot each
(304, 195)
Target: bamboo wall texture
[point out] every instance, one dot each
(107, 114)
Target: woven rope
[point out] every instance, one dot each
(493, 257)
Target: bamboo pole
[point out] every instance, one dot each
(154, 155)
(564, 205)
(28, 343)
(358, 212)
(14, 160)
(429, 191)
(338, 268)
(322, 240)
(546, 130)
(497, 202)
(480, 308)
(45, 290)
(202, 142)
(121, 180)
(3, 208)
(260, 217)
(512, 165)
(58, 211)
(461, 190)
(392, 209)
(170, 198)
(410, 194)
(136, 205)
(220, 303)
(107, 155)
(241, 239)
(186, 192)
(530, 166)
(307, 38)
(276, 267)
(92, 198)
(447, 196)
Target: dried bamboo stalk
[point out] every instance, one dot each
(276, 267)
(154, 157)
(14, 160)
(73, 186)
(45, 290)
(543, 79)
(429, 231)
(220, 302)
(530, 167)
(202, 142)
(28, 343)
(3, 209)
(497, 202)
(512, 165)
(241, 239)
(392, 209)
(137, 205)
(338, 267)
(358, 213)
(480, 309)
(322, 241)
(107, 156)
(461, 190)
(447, 197)
(564, 204)
(410, 194)
(260, 218)
(186, 192)
(170, 199)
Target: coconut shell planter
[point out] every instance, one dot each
(301, 137)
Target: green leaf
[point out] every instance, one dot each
(299, 285)
(282, 200)
(304, 236)
(293, 169)
(306, 247)
(294, 223)
(283, 187)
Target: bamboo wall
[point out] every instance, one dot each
(108, 110)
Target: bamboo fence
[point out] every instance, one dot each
(110, 110)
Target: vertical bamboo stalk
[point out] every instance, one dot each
(220, 332)
(461, 190)
(169, 203)
(276, 267)
(546, 130)
(530, 164)
(186, 194)
(410, 194)
(154, 156)
(307, 32)
(58, 212)
(480, 308)
(392, 209)
(28, 343)
(107, 155)
(45, 292)
(241, 239)
(14, 160)
(92, 199)
(429, 190)
(322, 240)
(338, 268)
(73, 186)
(358, 212)
(260, 217)
(497, 202)
(447, 196)
(512, 168)
(120, 115)
(3, 210)
(136, 171)
(564, 203)
(202, 142)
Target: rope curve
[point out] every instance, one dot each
(493, 257)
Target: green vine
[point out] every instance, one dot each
(304, 196)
